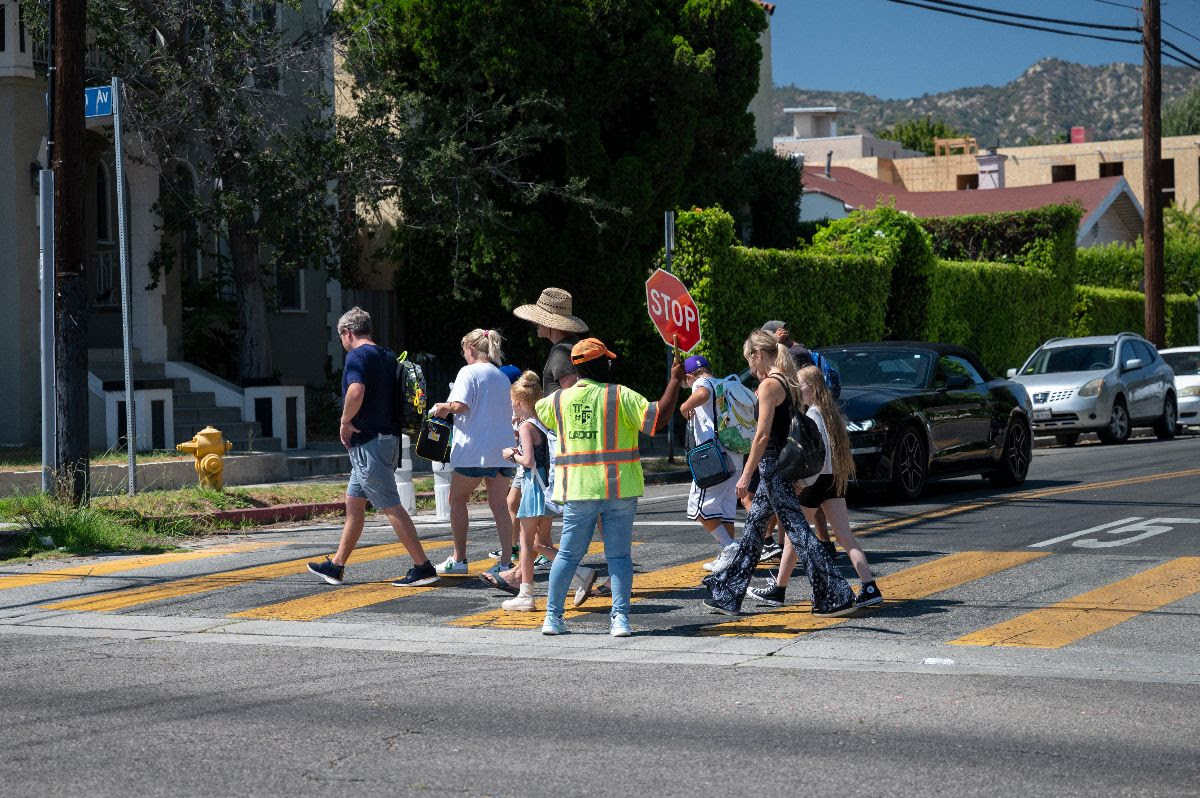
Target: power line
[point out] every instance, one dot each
(1181, 30)
(1194, 61)
(1018, 24)
(1015, 15)
(1118, 5)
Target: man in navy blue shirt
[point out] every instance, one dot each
(369, 434)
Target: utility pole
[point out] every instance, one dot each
(70, 360)
(1152, 234)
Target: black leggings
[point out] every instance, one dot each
(776, 497)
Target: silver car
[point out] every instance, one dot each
(1105, 384)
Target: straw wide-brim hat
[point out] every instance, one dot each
(553, 309)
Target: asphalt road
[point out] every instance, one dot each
(1037, 640)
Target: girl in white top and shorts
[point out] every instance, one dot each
(714, 507)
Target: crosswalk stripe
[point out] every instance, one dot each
(131, 597)
(1088, 613)
(118, 565)
(645, 585)
(911, 583)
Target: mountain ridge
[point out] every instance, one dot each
(1039, 106)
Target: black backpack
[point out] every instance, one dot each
(410, 397)
(803, 455)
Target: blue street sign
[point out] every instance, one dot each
(97, 101)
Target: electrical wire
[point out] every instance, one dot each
(1015, 15)
(1018, 24)
(1181, 30)
(1191, 60)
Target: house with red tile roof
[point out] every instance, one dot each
(1111, 211)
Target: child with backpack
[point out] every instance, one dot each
(715, 506)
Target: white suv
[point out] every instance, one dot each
(1105, 384)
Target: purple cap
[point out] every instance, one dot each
(695, 363)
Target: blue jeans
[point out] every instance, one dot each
(578, 524)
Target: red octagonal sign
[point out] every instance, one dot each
(672, 310)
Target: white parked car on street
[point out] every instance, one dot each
(1185, 362)
(1105, 384)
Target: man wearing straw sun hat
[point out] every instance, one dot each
(552, 315)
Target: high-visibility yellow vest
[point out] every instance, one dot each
(597, 426)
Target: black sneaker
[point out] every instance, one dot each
(845, 608)
(770, 593)
(714, 607)
(830, 549)
(328, 571)
(771, 552)
(868, 596)
(418, 575)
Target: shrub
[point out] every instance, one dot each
(826, 299)
(900, 242)
(1000, 311)
(1040, 238)
(1113, 265)
(1103, 311)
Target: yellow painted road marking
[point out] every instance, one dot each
(646, 585)
(118, 565)
(957, 509)
(1076, 618)
(131, 597)
(911, 583)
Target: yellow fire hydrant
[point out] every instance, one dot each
(208, 447)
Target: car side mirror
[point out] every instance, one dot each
(956, 382)
(1132, 363)
(1011, 373)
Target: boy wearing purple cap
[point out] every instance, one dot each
(714, 507)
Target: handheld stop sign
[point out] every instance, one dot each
(672, 311)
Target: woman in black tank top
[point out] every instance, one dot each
(777, 392)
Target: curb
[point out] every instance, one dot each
(271, 515)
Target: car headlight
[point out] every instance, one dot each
(1191, 390)
(861, 426)
(1092, 388)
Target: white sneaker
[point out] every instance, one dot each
(452, 567)
(585, 577)
(619, 626)
(724, 559)
(522, 602)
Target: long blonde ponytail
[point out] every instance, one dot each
(835, 425)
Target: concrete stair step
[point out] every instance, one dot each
(207, 416)
(187, 400)
(231, 431)
(317, 463)
(258, 444)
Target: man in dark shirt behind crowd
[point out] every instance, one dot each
(552, 315)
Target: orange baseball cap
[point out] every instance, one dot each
(590, 349)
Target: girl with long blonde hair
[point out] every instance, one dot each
(825, 493)
(778, 394)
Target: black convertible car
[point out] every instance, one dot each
(921, 411)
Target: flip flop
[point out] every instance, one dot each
(492, 580)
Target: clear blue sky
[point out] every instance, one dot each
(896, 51)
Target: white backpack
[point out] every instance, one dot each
(734, 418)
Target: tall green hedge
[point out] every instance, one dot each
(1103, 311)
(897, 239)
(1041, 238)
(1122, 265)
(825, 299)
(1000, 311)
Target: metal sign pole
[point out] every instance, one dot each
(46, 285)
(123, 245)
(669, 242)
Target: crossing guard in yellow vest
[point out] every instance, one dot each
(598, 472)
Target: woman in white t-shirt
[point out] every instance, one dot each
(826, 492)
(482, 408)
(714, 507)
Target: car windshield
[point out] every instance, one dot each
(1060, 359)
(1184, 364)
(901, 368)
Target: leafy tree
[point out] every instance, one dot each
(222, 85)
(529, 143)
(918, 134)
(763, 196)
(1182, 117)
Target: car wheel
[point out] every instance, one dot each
(1017, 454)
(1167, 423)
(1067, 438)
(909, 464)
(1117, 430)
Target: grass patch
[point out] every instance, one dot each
(52, 525)
(27, 458)
(194, 500)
